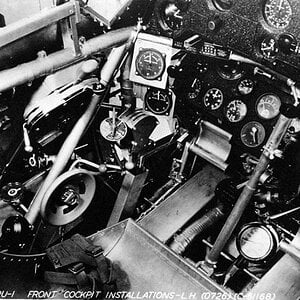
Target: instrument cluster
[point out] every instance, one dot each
(266, 31)
(230, 96)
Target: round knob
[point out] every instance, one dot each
(176, 72)
(215, 24)
(287, 43)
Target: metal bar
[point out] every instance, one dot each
(290, 249)
(128, 196)
(62, 158)
(248, 191)
(26, 26)
(34, 69)
(66, 150)
(230, 258)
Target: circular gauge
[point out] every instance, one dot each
(194, 90)
(246, 86)
(230, 71)
(223, 4)
(236, 111)
(150, 64)
(213, 99)
(257, 242)
(269, 48)
(267, 106)
(158, 101)
(277, 13)
(252, 134)
(113, 129)
(202, 67)
(173, 19)
(171, 15)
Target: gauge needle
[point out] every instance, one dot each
(280, 5)
(253, 133)
(114, 122)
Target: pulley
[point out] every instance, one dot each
(68, 197)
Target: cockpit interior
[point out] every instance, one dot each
(150, 149)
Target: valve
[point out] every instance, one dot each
(13, 193)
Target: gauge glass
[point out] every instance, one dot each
(236, 111)
(113, 129)
(194, 90)
(252, 134)
(230, 71)
(172, 16)
(223, 4)
(257, 241)
(269, 48)
(277, 13)
(213, 99)
(268, 106)
(158, 101)
(150, 64)
(202, 67)
(246, 86)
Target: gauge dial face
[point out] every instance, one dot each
(253, 134)
(246, 86)
(236, 111)
(194, 90)
(256, 242)
(223, 4)
(268, 106)
(172, 16)
(113, 129)
(277, 13)
(202, 67)
(158, 101)
(230, 71)
(269, 48)
(213, 99)
(150, 64)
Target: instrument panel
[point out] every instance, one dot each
(266, 31)
(242, 104)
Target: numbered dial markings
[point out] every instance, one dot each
(257, 242)
(213, 99)
(236, 111)
(194, 90)
(277, 13)
(150, 64)
(158, 101)
(269, 48)
(246, 86)
(268, 106)
(253, 134)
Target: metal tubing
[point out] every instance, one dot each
(184, 239)
(114, 60)
(126, 84)
(248, 191)
(29, 71)
(62, 158)
(290, 249)
(38, 21)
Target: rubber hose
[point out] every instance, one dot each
(183, 240)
